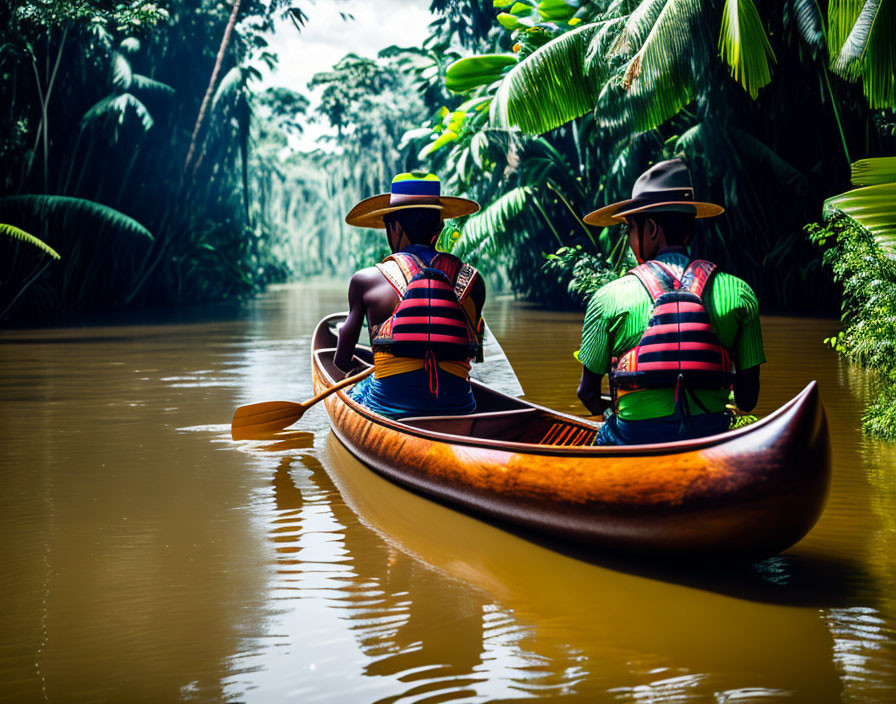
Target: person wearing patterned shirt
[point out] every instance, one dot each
(674, 335)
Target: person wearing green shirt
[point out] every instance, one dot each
(649, 330)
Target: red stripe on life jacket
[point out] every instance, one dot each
(678, 307)
(677, 327)
(425, 320)
(429, 283)
(684, 346)
(425, 337)
(674, 365)
(446, 338)
(432, 302)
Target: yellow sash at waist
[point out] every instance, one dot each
(385, 364)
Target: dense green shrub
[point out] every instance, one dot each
(868, 277)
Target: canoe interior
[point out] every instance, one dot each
(498, 417)
(514, 424)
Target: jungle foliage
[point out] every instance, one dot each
(141, 146)
(866, 270)
(858, 241)
(103, 103)
(570, 100)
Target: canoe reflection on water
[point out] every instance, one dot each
(410, 564)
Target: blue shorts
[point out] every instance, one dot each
(615, 431)
(407, 394)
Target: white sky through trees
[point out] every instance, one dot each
(326, 38)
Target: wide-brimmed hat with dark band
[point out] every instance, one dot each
(417, 189)
(664, 187)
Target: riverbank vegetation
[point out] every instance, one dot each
(563, 103)
(125, 143)
(141, 146)
(859, 245)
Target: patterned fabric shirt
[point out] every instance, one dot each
(617, 317)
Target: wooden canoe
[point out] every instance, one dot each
(744, 494)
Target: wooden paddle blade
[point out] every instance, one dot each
(264, 418)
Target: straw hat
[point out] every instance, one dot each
(665, 186)
(417, 189)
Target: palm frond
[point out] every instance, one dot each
(40, 208)
(19, 234)
(484, 232)
(657, 81)
(842, 15)
(744, 45)
(122, 75)
(873, 207)
(690, 140)
(230, 84)
(809, 22)
(233, 83)
(150, 85)
(549, 87)
(873, 172)
(849, 25)
(862, 37)
(130, 45)
(115, 108)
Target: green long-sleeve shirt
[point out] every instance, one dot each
(617, 317)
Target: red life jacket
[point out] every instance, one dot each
(679, 346)
(430, 321)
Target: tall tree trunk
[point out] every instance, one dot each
(225, 40)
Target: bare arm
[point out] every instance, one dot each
(589, 392)
(351, 329)
(746, 388)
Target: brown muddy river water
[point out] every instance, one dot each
(148, 558)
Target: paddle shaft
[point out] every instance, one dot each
(348, 381)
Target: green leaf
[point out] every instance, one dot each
(446, 137)
(121, 71)
(808, 19)
(150, 85)
(744, 45)
(872, 207)
(231, 84)
(508, 21)
(862, 38)
(549, 87)
(16, 233)
(557, 10)
(485, 231)
(873, 172)
(657, 80)
(40, 208)
(115, 108)
(130, 45)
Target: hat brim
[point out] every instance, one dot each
(617, 212)
(370, 211)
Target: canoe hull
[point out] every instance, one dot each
(746, 494)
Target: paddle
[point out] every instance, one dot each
(270, 416)
(495, 371)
